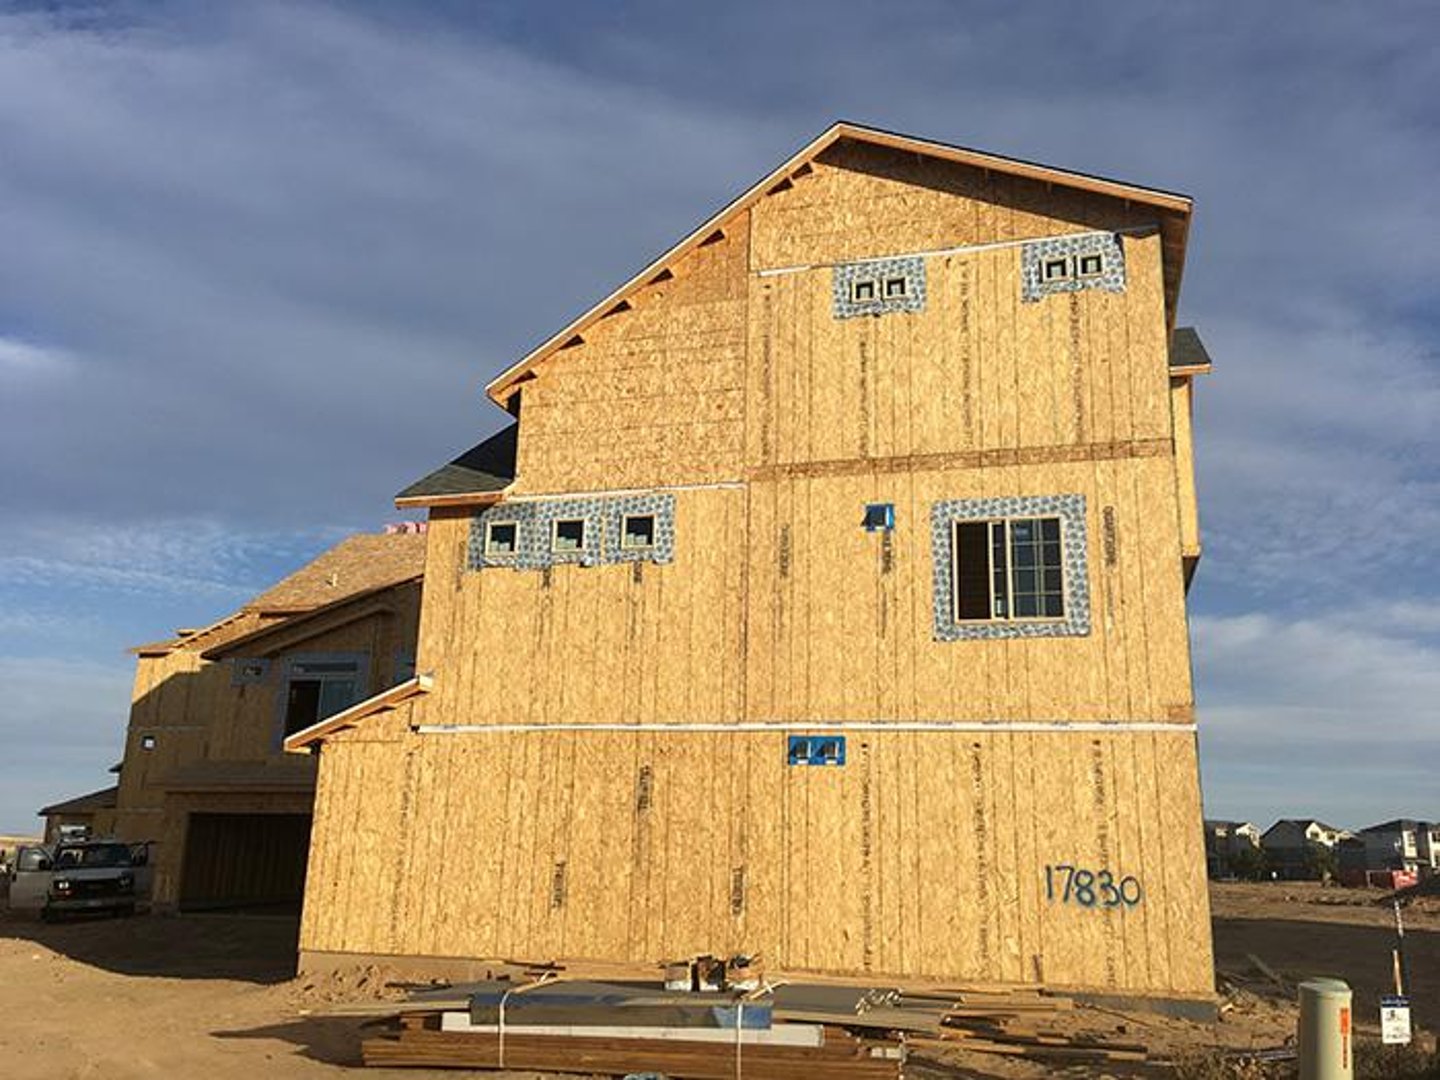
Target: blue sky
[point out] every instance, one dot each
(258, 260)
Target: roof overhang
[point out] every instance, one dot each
(384, 701)
(471, 498)
(1172, 210)
(277, 636)
(104, 799)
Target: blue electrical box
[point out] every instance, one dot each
(879, 517)
(815, 750)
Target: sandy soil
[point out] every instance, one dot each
(212, 996)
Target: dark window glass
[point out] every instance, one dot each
(302, 704)
(501, 539)
(638, 531)
(972, 570)
(569, 535)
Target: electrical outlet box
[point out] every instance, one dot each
(879, 517)
(815, 750)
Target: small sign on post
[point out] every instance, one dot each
(1394, 1020)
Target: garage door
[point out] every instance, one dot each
(244, 860)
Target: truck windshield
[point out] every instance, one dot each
(92, 856)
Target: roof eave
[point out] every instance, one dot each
(298, 619)
(474, 498)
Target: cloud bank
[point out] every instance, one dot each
(260, 258)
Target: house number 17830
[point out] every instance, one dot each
(1090, 888)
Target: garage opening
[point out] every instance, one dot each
(244, 861)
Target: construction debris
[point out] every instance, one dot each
(779, 1029)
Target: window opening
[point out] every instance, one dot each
(1092, 265)
(568, 536)
(1009, 569)
(501, 538)
(637, 532)
(317, 689)
(896, 288)
(1055, 269)
(863, 290)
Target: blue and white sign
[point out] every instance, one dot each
(1394, 1020)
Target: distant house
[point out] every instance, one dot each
(95, 813)
(1292, 844)
(1224, 840)
(204, 776)
(1402, 844)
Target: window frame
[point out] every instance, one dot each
(895, 279)
(875, 290)
(294, 671)
(1066, 261)
(580, 547)
(1000, 620)
(1081, 274)
(626, 545)
(489, 549)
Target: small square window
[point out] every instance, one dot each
(863, 291)
(569, 536)
(1055, 269)
(501, 538)
(896, 288)
(147, 742)
(1092, 265)
(637, 532)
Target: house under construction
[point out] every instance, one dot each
(825, 599)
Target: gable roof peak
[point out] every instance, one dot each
(1172, 209)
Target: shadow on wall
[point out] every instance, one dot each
(254, 949)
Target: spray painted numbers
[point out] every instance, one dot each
(1066, 884)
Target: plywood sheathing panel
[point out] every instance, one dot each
(867, 201)
(993, 810)
(655, 394)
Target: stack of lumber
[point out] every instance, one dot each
(598, 1027)
(1019, 1023)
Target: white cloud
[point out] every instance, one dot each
(285, 244)
(20, 359)
(176, 556)
(1334, 714)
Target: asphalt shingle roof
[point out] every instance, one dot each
(487, 466)
(1186, 349)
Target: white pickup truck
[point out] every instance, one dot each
(73, 877)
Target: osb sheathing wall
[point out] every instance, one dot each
(923, 856)
(926, 853)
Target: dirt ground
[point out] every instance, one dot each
(212, 995)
